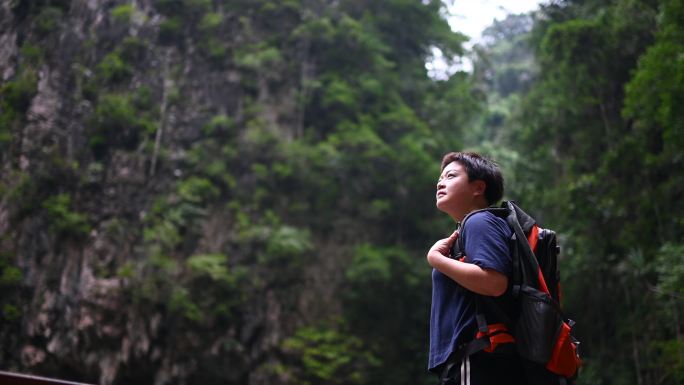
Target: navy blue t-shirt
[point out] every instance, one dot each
(452, 317)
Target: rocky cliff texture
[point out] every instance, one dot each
(114, 95)
(181, 179)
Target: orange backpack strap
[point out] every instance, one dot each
(532, 240)
(497, 334)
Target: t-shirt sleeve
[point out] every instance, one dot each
(486, 243)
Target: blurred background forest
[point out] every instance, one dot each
(242, 191)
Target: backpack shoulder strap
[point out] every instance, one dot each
(523, 251)
(482, 302)
(524, 219)
(501, 212)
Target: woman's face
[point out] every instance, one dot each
(456, 196)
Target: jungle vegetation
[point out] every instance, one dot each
(242, 191)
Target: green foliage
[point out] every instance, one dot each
(216, 49)
(171, 31)
(182, 303)
(671, 273)
(178, 13)
(197, 190)
(357, 39)
(198, 6)
(163, 228)
(257, 56)
(10, 312)
(651, 103)
(670, 355)
(132, 50)
(48, 20)
(506, 64)
(27, 191)
(122, 13)
(142, 99)
(120, 120)
(10, 276)
(304, 192)
(115, 112)
(113, 115)
(15, 99)
(319, 28)
(175, 217)
(220, 296)
(421, 28)
(17, 93)
(32, 54)
(10, 281)
(62, 219)
(395, 315)
(592, 154)
(287, 244)
(370, 264)
(221, 124)
(324, 355)
(340, 94)
(216, 167)
(210, 22)
(113, 68)
(213, 265)
(170, 7)
(163, 234)
(126, 271)
(287, 199)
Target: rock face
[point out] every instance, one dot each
(122, 263)
(206, 192)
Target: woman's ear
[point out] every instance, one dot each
(479, 187)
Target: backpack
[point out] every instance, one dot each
(539, 330)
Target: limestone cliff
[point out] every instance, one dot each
(191, 189)
(104, 101)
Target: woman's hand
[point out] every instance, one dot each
(441, 249)
(472, 277)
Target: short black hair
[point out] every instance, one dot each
(479, 168)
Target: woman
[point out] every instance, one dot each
(468, 183)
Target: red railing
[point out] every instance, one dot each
(7, 378)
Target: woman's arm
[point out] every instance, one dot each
(472, 277)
